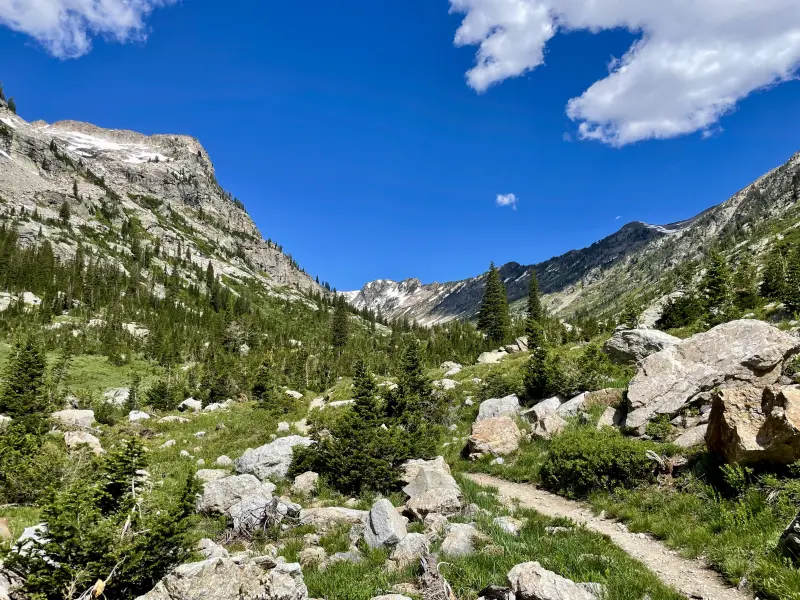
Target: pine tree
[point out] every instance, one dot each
(12, 106)
(535, 308)
(542, 377)
(791, 295)
(22, 396)
(340, 324)
(716, 289)
(774, 284)
(744, 285)
(494, 319)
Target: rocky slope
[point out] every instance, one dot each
(633, 262)
(108, 177)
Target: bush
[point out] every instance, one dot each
(29, 465)
(161, 397)
(582, 460)
(499, 385)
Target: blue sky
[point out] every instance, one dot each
(354, 139)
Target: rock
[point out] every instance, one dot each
(691, 437)
(245, 578)
(493, 357)
(137, 415)
(498, 461)
(734, 354)
(200, 434)
(283, 427)
(4, 422)
(201, 462)
(210, 549)
(547, 427)
(117, 396)
(435, 525)
(190, 404)
(224, 461)
(340, 403)
(384, 525)
(611, 417)
(430, 487)
(449, 364)
(409, 550)
(453, 371)
(445, 384)
(499, 407)
(752, 425)
(272, 459)
(439, 500)
(629, 346)
(219, 495)
(391, 597)
(460, 540)
(213, 407)
(206, 475)
(250, 513)
(185, 454)
(509, 524)
(512, 348)
(293, 394)
(789, 542)
(522, 343)
(74, 439)
(605, 397)
(5, 530)
(72, 418)
(543, 409)
(497, 436)
(572, 407)
(306, 483)
(329, 517)
(313, 555)
(531, 581)
(173, 419)
(496, 592)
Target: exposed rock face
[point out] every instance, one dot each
(492, 357)
(632, 345)
(271, 460)
(531, 581)
(498, 436)
(499, 407)
(734, 354)
(219, 495)
(754, 425)
(255, 578)
(147, 177)
(384, 525)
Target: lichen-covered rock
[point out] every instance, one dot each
(734, 354)
(271, 460)
(496, 436)
(632, 345)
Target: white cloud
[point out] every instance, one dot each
(507, 200)
(66, 27)
(618, 217)
(695, 59)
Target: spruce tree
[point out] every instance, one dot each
(64, 213)
(716, 289)
(23, 393)
(12, 106)
(791, 294)
(494, 319)
(744, 285)
(340, 324)
(535, 308)
(774, 284)
(542, 376)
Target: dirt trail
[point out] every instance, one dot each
(690, 577)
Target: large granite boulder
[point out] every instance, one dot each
(430, 487)
(219, 495)
(76, 439)
(629, 346)
(734, 354)
(548, 426)
(492, 357)
(497, 436)
(73, 418)
(542, 409)
(754, 425)
(254, 578)
(507, 406)
(329, 517)
(531, 581)
(384, 526)
(271, 460)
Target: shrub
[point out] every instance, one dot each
(499, 385)
(659, 428)
(161, 397)
(582, 460)
(30, 463)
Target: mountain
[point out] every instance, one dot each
(108, 177)
(634, 264)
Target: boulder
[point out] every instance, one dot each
(294, 394)
(572, 407)
(754, 425)
(252, 578)
(460, 539)
(72, 418)
(445, 384)
(219, 495)
(499, 407)
(260, 511)
(531, 581)
(330, 517)
(137, 415)
(628, 346)
(409, 550)
(206, 475)
(692, 437)
(548, 426)
(492, 357)
(384, 526)
(611, 417)
(117, 396)
(224, 461)
(542, 409)
(422, 476)
(190, 404)
(173, 419)
(306, 483)
(522, 343)
(445, 501)
(497, 436)
(271, 460)
(210, 549)
(734, 354)
(74, 439)
(4, 422)
(509, 524)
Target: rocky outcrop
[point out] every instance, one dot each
(754, 425)
(247, 578)
(734, 354)
(430, 488)
(271, 460)
(629, 346)
(497, 436)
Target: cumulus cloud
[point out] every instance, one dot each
(66, 27)
(694, 60)
(507, 200)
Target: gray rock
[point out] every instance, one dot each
(173, 419)
(531, 581)
(548, 426)
(611, 417)
(496, 436)
(137, 415)
(73, 418)
(224, 461)
(206, 475)
(190, 404)
(313, 555)
(330, 517)
(542, 409)
(509, 524)
(271, 460)
(210, 549)
(409, 550)
(445, 501)
(391, 597)
(306, 483)
(692, 437)
(734, 354)
(219, 495)
(117, 396)
(493, 357)
(460, 540)
(74, 439)
(384, 526)
(499, 407)
(445, 384)
(572, 407)
(628, 346)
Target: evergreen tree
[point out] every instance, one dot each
(542, 376)
(12, 106)
(22, 395)
(64, 213)
(791, 294)
(716, 289)
(744, 285)
(774, 284)
(494, 319)
(535, 308)
(340, 324)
